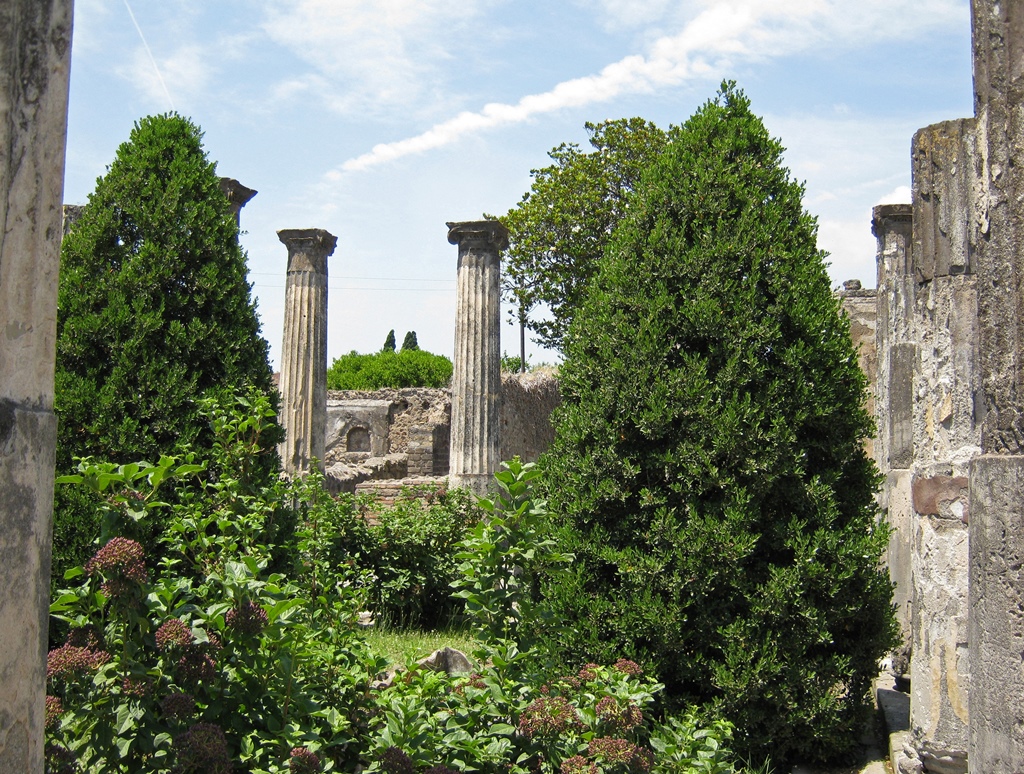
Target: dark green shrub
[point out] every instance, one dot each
(408, 368)
(411, 551)
(154, 312)
(708, 468)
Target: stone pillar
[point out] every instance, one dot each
(303, 382)
(72, 212)
(997, 508)
(35, 51)
(945, 440)
(896, 352)
(476, 381)
(238, 196)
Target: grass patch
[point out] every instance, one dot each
(405, 646)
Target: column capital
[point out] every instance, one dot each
(308, 248)
(486, 234)
(890, 213)
(238, 195)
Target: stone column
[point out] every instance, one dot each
(945, 439)
(892, 226)
(476, 381)
(997, 507)
(238, 196)
(35, 50)
(303, 382)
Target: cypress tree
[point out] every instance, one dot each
(154, 311)
(708, 468)
(389, 342)
(409, 343)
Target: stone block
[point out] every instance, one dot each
(997, 614)
(942, 496)
(903, 360)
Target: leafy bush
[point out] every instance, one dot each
(708, 467)
(209, 657)
(511, 716)
(408, 368)
(154, 311)
(411, 552)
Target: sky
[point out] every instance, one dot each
(381, 120)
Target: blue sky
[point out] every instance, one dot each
(380, 120)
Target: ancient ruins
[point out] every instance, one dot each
(947, 368)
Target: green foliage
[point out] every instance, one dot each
(558, 232)
(511, 716)
(708, 468)
(409, 342)
(512, 364)
(389, 342)
(211, 658)
(502, 556)
(154, 312)
(408, 368)
(411, 552)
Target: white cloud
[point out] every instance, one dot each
(374, 52)
(723, 33)
(899, 195)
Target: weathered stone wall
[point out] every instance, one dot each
(861, 307)
(35, 52)
(390, 429)
(996, 631)
(527, 402)
(896, 355)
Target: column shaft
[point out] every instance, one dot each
(35, 49)
(476, 380)
(303, 382)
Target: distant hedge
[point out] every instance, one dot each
(407, 368)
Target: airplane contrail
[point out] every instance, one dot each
(145, 45)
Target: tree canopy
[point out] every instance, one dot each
(708, 467)
(154, 312)
(559, 231)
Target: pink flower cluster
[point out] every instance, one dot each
(611, 712)
(173, 633)
(548, 715)
(178, 705)
(247, 618)
(620, 751)
(577, 764)
(54, 709)
(196, 664)
(628, 667)
(395, 760)
(303, 761)
(69, 661)
(203, 748)
(121, 563)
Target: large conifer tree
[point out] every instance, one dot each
(709, 467)
(154, 311)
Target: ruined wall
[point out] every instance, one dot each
(527, 402)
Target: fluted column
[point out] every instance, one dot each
(996, 631)
(303, 382)
(476, 381)
(237, 194)
(35, 49)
